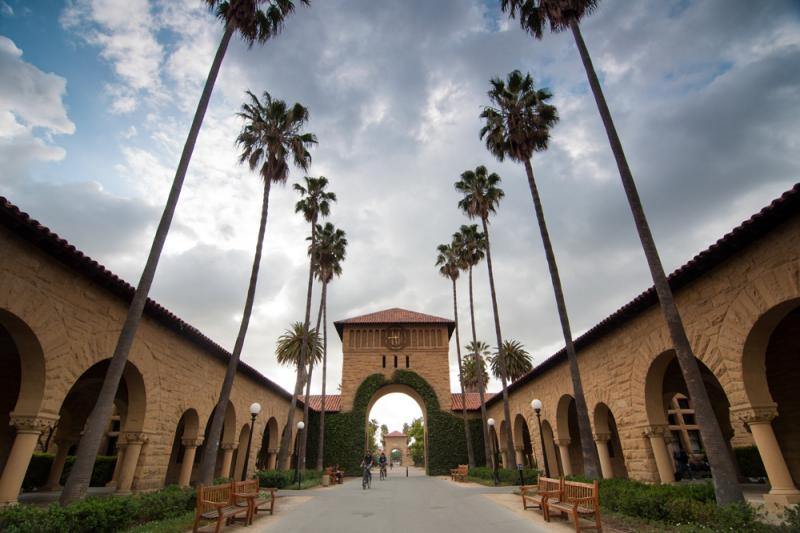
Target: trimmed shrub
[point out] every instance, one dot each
(99, 514)
(507, 476)
(279, 479)
(749, 461)
(791, 518)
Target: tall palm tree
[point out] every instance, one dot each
(327, 253)
(272, 132)
(534, 16)
(480, 197)
(471, 246)
(314, 201)
(255, 20)
(450, 262)
(517, 359)
(474, 366)
(516, 125)
(288, 348)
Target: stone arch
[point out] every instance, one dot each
(187, 429)
(522, 442)
(401, 388)
(553, 459)
(269, 445)
(609, 444)
(562, 411)
(569, 437)
(503, 440)
(241, 452)
(227, 441)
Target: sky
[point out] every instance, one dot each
(96, 97)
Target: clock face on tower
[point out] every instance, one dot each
(395, 338)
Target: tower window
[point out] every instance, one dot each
(384, 361)
(395, 361)
(407, 362)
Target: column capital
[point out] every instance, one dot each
(602, 437)
(273, 450)
(756, 414)
(133, 437)
(192, 442)
(654, 431)
(519, 448)
(32, 423)
(562, 442)
(229, 445)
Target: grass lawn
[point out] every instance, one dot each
(179, 524)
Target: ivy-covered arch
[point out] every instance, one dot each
(446, 449)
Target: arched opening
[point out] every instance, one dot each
(569, 436)
(771, 372)
(502, 448)
(269, 445)
(241, 452)
(522, 442)
(396, 416)
(227, 442)
(606, 428)
(21, 379)
(186, 430)
(668, 404)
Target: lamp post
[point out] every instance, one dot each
(300, 426)
(255, 408)
(494, 453)
(537, 408)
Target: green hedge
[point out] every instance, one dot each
(507, 476)
(749, 461)
(99, 514)
(280, 479)
(39, 469)
(344, 432)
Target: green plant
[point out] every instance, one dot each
(39, 470)
(791, 517)
(506, 476)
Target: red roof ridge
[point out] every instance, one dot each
(394, 315)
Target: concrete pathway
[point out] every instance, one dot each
(416, 503)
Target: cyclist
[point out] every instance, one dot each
(366, 465)
(382, 463)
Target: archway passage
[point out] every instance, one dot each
(227, 443)
(183, 453)
(609, 447)
(398, 410)
(553, 458)
(569, 437)
(267, 453)
(522, 442)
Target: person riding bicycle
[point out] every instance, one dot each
(366, 466)
(382, 463)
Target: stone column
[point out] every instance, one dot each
(227, 457)
(782, 488)
(563, 450)
(272, 457)
(656, 436)
(28, 430)
(120, 457)
(57, 468)
(189, 449)
(134, 442)
(601, 441)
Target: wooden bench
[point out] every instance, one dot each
(536, 496)
(248, 494)
(577, 499)
(216, 502)
(460, 473)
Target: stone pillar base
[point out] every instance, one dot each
(777, 502)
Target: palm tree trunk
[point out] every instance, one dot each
(78, 480)
(286, 439)
(487, 448)
(304, 435)
(209, 459)
(510, 458)
(726, 485)
(470, 452)
(590, 458)
(321, 444)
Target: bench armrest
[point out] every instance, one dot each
(218, 505)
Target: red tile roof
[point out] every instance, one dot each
(333, 402)
(395, 315)
(473, 400)
(39, 236)
(782, 209)
(395, 434)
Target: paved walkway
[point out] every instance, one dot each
(399, 504)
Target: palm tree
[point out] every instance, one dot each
(474, 366)
(470, 244)
(518, 360)
(517, 126)
(560, 15)
(327, 253)
(314, 201)
(255, 20)
(481, 195)
(450, 262)
(272, 132)
(288, 348)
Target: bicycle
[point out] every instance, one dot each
(383, 472)
(366, 479)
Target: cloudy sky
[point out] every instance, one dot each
(96, 98)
